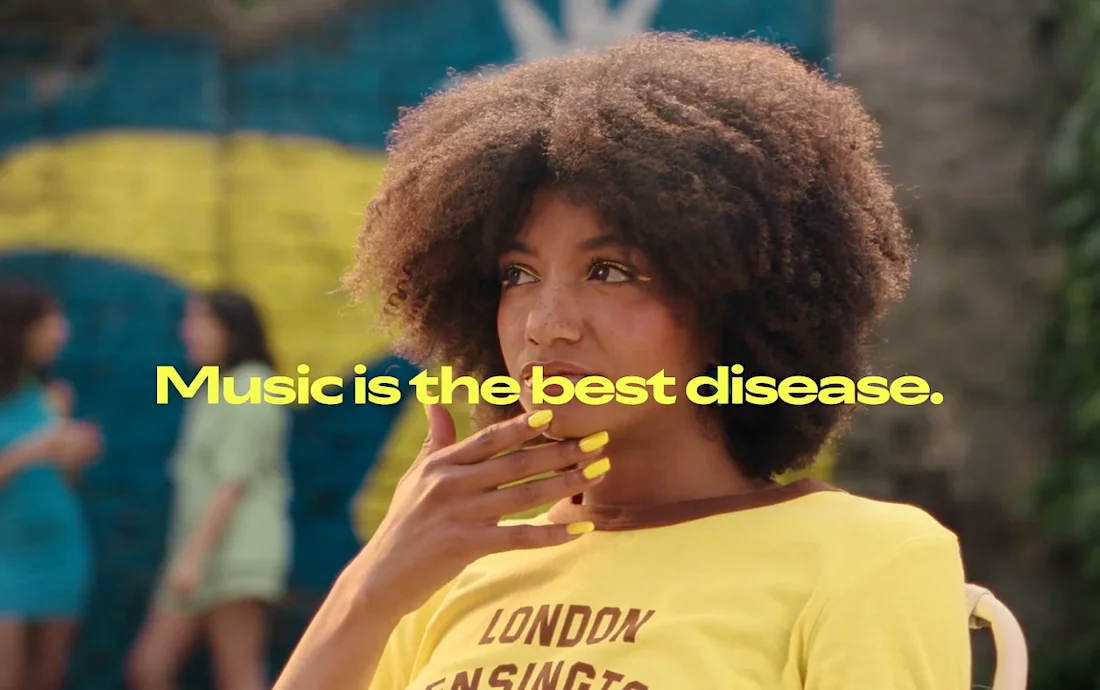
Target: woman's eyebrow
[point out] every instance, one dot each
(518, 247)
(598, 242)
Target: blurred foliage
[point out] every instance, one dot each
(1068, 499)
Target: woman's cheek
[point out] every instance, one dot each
(511, 323)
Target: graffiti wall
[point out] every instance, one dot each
(157, 168)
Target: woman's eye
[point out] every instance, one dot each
(516, 275)
(611, 272)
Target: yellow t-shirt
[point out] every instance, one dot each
(797, 587)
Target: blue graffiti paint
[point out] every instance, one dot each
(124, 324)
(344, 83)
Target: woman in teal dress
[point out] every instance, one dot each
(45, 548)
(229, 544)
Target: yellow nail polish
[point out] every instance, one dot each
(593, 442)
(598, 468)
(580, 528)
(540, 418)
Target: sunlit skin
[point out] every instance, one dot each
(203, 335)
(573, 295)
(47, 338)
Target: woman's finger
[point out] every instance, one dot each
(496, 439)
(522, 497)
(441, 428)
(527, 463)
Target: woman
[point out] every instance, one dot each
(45, 547)
(668, 205)
(229, 546)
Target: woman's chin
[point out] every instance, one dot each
(576, 420)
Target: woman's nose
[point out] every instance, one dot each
(555, 316)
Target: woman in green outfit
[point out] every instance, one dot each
(229, 545)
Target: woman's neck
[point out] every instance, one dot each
(669, 464)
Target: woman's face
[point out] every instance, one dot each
(203, 335)
(574, 301)
(47, 337)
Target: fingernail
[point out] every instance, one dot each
(593, 442)
(580, 528)
(540, 418)
(597, 469)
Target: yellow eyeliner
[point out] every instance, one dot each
(634, 275)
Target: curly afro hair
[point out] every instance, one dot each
(746, 178)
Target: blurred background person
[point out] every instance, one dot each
(229, 544)
(45, 545)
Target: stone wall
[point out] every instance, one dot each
(965, 95)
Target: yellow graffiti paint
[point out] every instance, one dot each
(275, 216)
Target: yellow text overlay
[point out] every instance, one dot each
(727, 387)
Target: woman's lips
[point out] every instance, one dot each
(572, 377)
(549, 388)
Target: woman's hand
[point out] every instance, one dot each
(67, 443)
(444, 515)
(183, 577)
(73, 444)
(62, 396)
(446, 509)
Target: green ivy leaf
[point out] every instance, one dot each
(1079, 211)
(1067, 498)
(1088, 417)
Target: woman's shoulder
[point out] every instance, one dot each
(841, 533)
(244, 377)
(247, 383)
(32, 398)
(23, 411)
(873, 520)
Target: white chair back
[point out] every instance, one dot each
(1008, 637)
